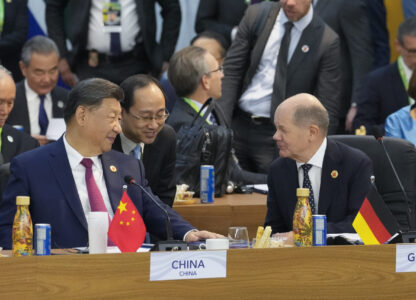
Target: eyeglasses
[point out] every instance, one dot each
(220, 69)
(409, 51)
(148, 119)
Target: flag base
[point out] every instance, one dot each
(409, 236)
(172, 245)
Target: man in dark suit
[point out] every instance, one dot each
(261, 72)
(337, 175)
(97, 52)
(68, 178)
(385, 89)
(196, 77)
(38, 99)
(146, 136)
(13, 141)
(13, 34)
(349, 20)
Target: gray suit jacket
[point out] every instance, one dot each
(349, 20)
(315, 71)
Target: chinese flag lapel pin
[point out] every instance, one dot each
(334, 174)
(113, 169)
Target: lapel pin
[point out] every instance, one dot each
(334, 174)
(10, 138)
(305, 48)
(60, 104)
(113, 169)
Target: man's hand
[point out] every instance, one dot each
(195, 236)
(350, 117)
(67, 76)
(41, 139)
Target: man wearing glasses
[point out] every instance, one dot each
(385, 89)
(146, 136)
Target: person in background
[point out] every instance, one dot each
(337, 175)
(38, 98)
(196, 76)
(13, 34)
(402, 123)
(385, 89)
(211, 41)
(13, 141)
(350, 21)
(113, 49)
(79, 173)
(295, 52)
(146, 136)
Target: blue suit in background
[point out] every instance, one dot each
(341, 194)
(45, 175)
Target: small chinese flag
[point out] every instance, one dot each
(127, 229)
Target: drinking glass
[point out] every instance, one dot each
(238, 237)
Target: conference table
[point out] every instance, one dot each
(229, 210)
(353, 272)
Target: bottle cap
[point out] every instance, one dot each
(22, 200)
(302, 192)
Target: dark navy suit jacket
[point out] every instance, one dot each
(340, 198)
(383, 94)
(45, 175)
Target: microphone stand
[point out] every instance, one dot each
(170, 244)
(407, 236)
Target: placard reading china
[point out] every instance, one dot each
(188, 265)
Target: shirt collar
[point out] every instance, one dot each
(128, 145)
(301, 24)
(317, 159)
(31, 94)
(75, 158)
(406, 69)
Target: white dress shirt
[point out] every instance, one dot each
(99, 40)
(315, 173)
(33, 102)
(78, 172)
(256, 99)
(128, 145)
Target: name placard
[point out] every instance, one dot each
(188, 265)
(405, 258)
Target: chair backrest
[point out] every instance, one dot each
(403, 156)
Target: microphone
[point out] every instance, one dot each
(410, 210)
(170, 243)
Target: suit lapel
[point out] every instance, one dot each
(57, 104)
(62, 170)
(21, 109)
(309, 39)
(329, 186)
(261, 42)
(8, 144)
(113, 180)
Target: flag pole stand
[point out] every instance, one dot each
(172, 245)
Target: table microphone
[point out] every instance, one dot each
(170, 243)
(410, 212)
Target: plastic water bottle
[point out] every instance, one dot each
(22, 235)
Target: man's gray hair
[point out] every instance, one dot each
(407, 27)
(3, 71)
(305, 115)
(38, 44)
(186, 69)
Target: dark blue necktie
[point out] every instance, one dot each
(43, 117)
(115, 43)
(307, 184)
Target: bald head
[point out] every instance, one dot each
(306, 109)
(7, 94)
(301, 126)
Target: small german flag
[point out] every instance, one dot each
(375, 223)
